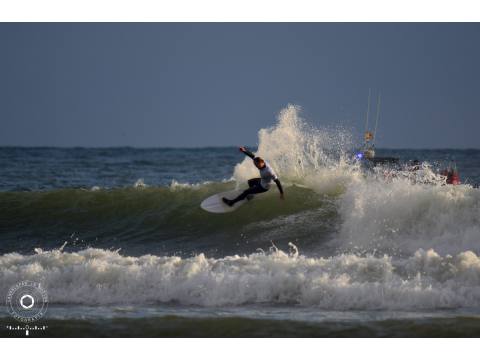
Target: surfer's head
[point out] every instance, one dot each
(259, 162)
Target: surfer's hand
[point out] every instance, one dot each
(242, 149)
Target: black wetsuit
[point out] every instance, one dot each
(258, 185)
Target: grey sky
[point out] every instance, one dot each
(217, 84)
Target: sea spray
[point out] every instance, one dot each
(301, 153)
(392, 210)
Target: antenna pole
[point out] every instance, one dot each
(368, 109)
(378, 114)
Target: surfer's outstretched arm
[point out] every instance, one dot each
(280, 188)
(247, 152)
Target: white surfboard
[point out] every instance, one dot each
(214, 203)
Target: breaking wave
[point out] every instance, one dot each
(362, 236)
(425, 280)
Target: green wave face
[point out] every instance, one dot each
(161, 217)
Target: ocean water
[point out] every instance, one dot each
(117, 238)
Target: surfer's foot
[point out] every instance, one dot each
(228, 202)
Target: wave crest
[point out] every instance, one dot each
(343, 282)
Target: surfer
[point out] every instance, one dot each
(257, 185)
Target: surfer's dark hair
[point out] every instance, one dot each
(257, 159)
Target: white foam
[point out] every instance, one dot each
(139, 184)
(394, 211)
(402, 216)
(425, 280)
(176, 185)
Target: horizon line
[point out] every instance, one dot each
(204, 147)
